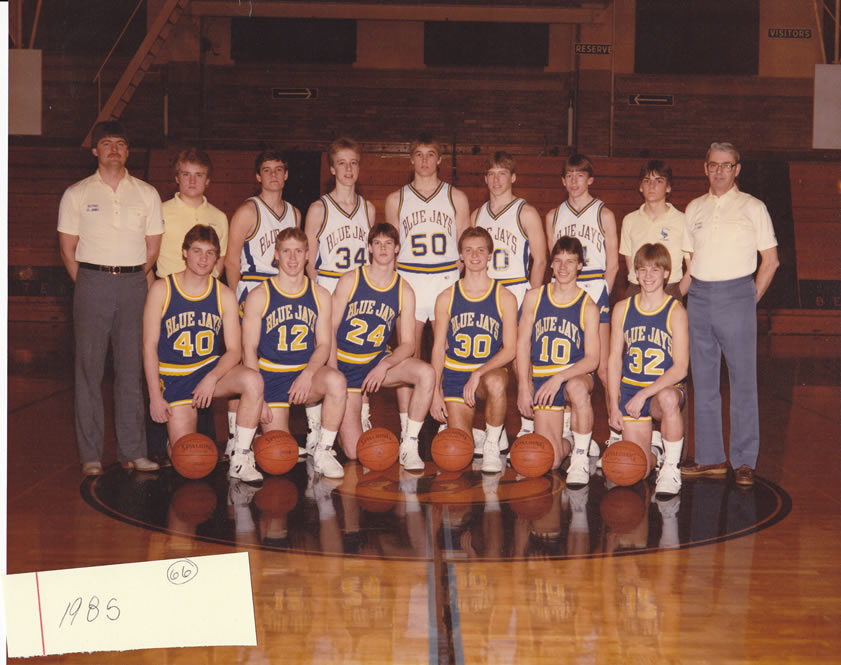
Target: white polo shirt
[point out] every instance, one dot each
(724, 233)
(111, 225)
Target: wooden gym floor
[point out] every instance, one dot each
(358, 573)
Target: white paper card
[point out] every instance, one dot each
(200, 601)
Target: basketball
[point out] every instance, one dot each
(194, 502)
(194, 455)
(276, 452)
(276, 497)
(377, 449)
(532, 455)
(622, 509)
(624, 463)
(376, 491)
(452, 449)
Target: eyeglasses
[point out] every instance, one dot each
(725, 166)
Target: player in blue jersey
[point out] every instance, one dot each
(475, 338)
(287, 335)
(186, 316)
(557, 353)
(648, 363)
(367, 305)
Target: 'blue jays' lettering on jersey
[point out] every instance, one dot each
(510, 260)
(342, 238)
(558, 334)
(369, 318)
(427, 228)
(586, 225)
(257, 258)
(287, 335)
(648, 341)
(191, 328)
(474, 333)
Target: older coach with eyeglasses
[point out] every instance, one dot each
(725, 229)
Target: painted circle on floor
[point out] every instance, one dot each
(394, 514)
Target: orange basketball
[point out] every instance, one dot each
(622, 509)
(624, 463)
(377, 449)
(276, 497)
(452, 449)
(532, 455)
(194, 455)
(276, 452)
(194, 502)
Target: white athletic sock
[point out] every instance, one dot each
(404, 420)
(244, 437)
(673, 450)
(413, 428)
(582, 443)
(327, 439)
(232, 424)
(313, 416)
(567, 428)
(526, 424)
(492, 435)
(366, 410)
(615, 436)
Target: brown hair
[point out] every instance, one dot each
(383, 229)
(291, 233)
(342, 143)
(578, 163)
(201, 233)
(476, 232)
(192, 156)
(653, 254)
(567, 245)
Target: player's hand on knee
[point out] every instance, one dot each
(374, 381)
(299, 391)
(203, 394)
(615, 419)
(266, 414)
(635, 405)
(469, 390)
(524, 404)
(438, 409)
(159, 409)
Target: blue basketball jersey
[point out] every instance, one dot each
(191, 328)
(474, 332)
(648, 341)
(368, 319)
(287, 335)
(558, 334)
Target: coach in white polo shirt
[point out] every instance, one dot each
(725, 229)
(109, 230)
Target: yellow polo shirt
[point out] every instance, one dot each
(724, 233)
(638, 228)
(179, 218)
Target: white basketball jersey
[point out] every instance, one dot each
(257, 258)
(586, 225)
(342, 238)
(510, 261)
(427, 230)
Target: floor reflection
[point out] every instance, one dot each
(394, 514)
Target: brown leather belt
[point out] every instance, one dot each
(114, 270)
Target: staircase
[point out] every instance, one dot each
(140, 63)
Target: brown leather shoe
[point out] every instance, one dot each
(744, 476)
(696, 470)
(92, 469)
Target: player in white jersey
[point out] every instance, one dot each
(517, 232)
(337, 224)
(430, 216)
(251, 238)
(587, 218)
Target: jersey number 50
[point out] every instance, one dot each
(437, 244)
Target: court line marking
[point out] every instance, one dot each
(452, 587)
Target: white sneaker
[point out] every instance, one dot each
(478, 441)
(657, 448)
(408, 482)
(366, 424)
(567, 431)
(313, 437)
(503, 442)
(668, 480)
(240, 493)
(578, 472)
(301, 451)
(325, 463)
(491, 459)
(229, 448)
(594, 450)
(243, 467)
(409, 457)
(669, 507)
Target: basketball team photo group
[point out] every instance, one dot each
(465, 318)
